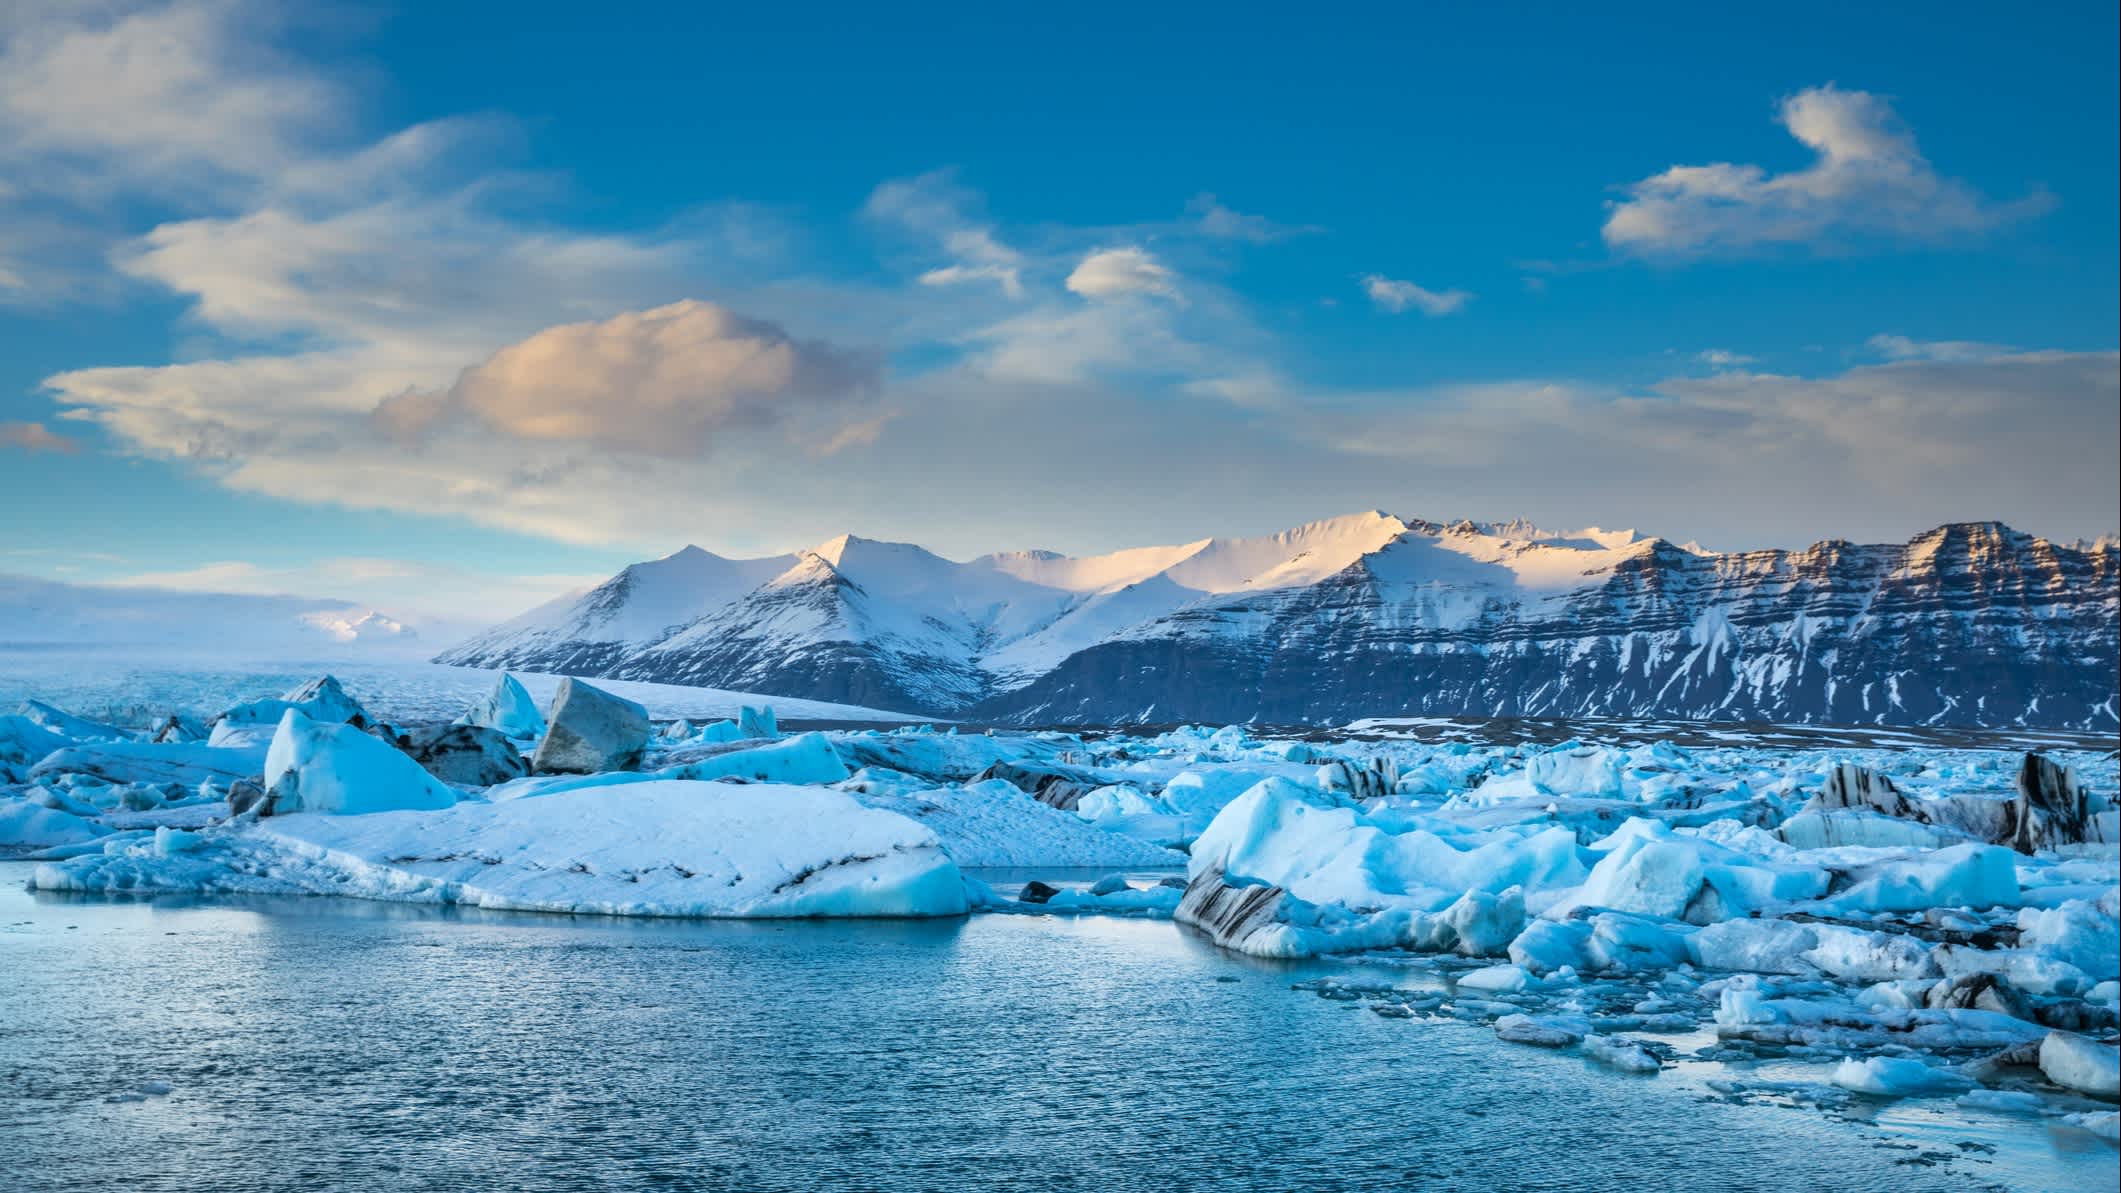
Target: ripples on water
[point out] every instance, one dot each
(319, 1044)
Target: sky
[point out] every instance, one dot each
(450, 308)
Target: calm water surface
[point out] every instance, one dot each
(327, 1044)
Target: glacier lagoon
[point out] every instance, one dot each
(1697, 940)
(326, 1043)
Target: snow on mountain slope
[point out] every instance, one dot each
(586, 632)
(1372, 615)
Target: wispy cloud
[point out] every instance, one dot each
(1899, 347)
(1396, 296)
(36, 437)
(947, 218)
(1867, 180)
(1723, 358)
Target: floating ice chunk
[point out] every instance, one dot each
(1897, 1077)
(25, 825)
(1592, 771)
(1540, 1032)
(719, 731)
(69, 726)
(2077, 932)
(2106, 1124)
(321, 699)
(1623, 1054)
(2002, 1101)
(1854, 954)
(1838, 828)
(1276, 832)
(507, 708)
(317, 766)
(1632, 943)
(1545, 946)
(591, 731)
(186, 763)
(757, 722)
(1975, 876)
(2086, 1066)
(665, 848)
(808, 758)
(23, 741)
(1498, 978)
(1644, 874)
(468, 755)
(1199, 795)
(1478, 925)
(995, 824)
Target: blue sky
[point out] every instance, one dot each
(449, 307)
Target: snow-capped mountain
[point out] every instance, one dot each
(1370, 615)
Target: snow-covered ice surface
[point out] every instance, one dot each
(1660, 911)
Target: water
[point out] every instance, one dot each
(333, 1044)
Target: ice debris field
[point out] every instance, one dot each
(1935, 923)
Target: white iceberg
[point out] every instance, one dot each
(665, 848)
(317, 766)
(509, 709)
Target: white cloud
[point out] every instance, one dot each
(1898, 347)
(1123, 273)
(1008, 277)
(1867, 179)
(1390, 294)
(946, 217)
(176, 96)
(1722, 358)
(1209, 217)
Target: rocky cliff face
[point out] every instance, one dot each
(1969, 624)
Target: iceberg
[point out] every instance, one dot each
(507, 708)
(591, 731)
(318, 766)
(663, 848)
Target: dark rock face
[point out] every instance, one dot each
(468, 755)
(1969, 624)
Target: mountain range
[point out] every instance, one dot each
(1372, 615)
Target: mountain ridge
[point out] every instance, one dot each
(1373, 615)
